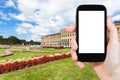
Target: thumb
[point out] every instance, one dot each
(113, 56)
(113, 34)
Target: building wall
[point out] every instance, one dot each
(66, 37)
(60, 39)
(51, 40)
(45, 41)
(55, 40)
(118, 28)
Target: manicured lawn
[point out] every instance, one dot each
(2, 50)
(43, 51)
(57, 70)
(52, 50)
(19, 55)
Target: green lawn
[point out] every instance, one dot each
(43, 51)
(2, 50)
(57, 70)
(19, 55)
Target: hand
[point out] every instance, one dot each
(110, 68)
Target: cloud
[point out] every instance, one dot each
(112, 6)
(39, 30)
(35, 31)
(52, 15)
(41, 12)
(48, 17)
(38, 11)
(34, 37)
(2, 23)
(10, 3)
(23, 28)
(4, 16)
(21, 16)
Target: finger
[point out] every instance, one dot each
(71, 29)
(74, 55)
(113, 46)
(107, 36)
(113, 34)
(80, 64)
(95, 64)
(73, 44)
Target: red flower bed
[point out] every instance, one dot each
(27, 63)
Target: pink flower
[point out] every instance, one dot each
(8, 52)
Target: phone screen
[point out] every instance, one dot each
(91, 31)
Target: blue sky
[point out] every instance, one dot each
(31, 19)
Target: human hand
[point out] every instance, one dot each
(110, 68)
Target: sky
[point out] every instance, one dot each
(32, 19)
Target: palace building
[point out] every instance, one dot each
(59, 39)
(63, 38)
(66, 37)
(117, 23)
(51, 40)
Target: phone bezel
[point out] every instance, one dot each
(91, 57)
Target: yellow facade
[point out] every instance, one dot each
(51, 40)
(66, 37)
(118, 28)
(60, 39)
(45, 40)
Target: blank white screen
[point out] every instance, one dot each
(91, 31)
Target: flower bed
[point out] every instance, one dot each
(7, 53)
(12, 66)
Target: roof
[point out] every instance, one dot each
(51, 35)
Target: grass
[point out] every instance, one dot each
(57, 70)
(2, 50)
(52, 50)
(43, 51)
(20, 55)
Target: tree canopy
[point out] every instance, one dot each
(12, 40)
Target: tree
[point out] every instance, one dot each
(1, 39)
(13, 40)
(31, 42)
(22, 42)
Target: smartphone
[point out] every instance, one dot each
(91, 33)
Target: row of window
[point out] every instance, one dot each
(66, 40)
(63, 31)
(65, 44)
(63, 40)
(60, 44)
(67, 35)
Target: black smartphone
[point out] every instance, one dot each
(91, 33)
